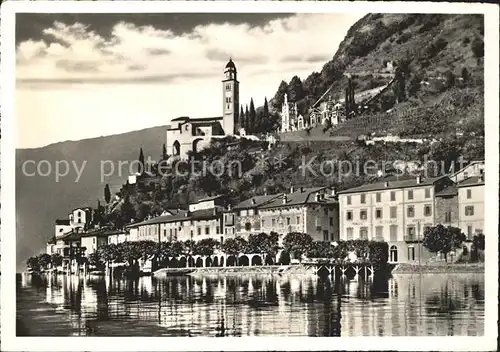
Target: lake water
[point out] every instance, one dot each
(404, 305)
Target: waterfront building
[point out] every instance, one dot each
(245, 219)
(314, 211)
(66, 230)
(471, 205)
(186, 134)
(397, 211)
(95, 239)
(203, 219)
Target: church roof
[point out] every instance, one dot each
(230, 64)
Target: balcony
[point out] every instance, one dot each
(413, 238)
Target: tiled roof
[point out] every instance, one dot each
(451, 190)
(299, 197)
(62, 222)
(256, 201)
(468, 165)
(392, 185)
(101, 233)
(205, 214)
(472, 181)
(205, 199)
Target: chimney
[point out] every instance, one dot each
(419, 179)
(253, 201)
(291, 189)
(284, 198)
(229, 207)
(301, 189)
(386, 184)
(317, 197)
(380, 173)
(481, 177)
(333, 192)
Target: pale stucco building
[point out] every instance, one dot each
(186, 134)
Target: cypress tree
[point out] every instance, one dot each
(242, 118)
(164, 152)
(141, 162)
(253, 117)
(247, 118)
(107, 194)
(264, 123)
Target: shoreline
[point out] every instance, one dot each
(451, 268)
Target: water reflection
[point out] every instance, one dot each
(252, 306)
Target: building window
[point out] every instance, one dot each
(331, 221)
(378, 233)
(393, 196)
(363, 233)
(199, 231)
(469, 210)
(410, 231)
(288, 221)
(248, 226)
(228, 106)
(228, 87)
(393, 230)
(378, 213)
(325, 235)
(298, 220)
(469, 232)
(263, 223)
(427, 228)
(411, 253)
(363, 214)
(410, 194)
(393, 211)
(348, 200)
(349, 215)
(273, 221)
(378, 197)
(228, 99)
(363, 198)
(250, 212)
(447, 216)
(243, 213)
(427, 193)
(427, 210)
(410, 211)
(79, 221)
(207, 230)
(469, 194)
(349, 233)
(165, 232)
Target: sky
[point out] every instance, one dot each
(88, 75)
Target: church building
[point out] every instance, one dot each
(186, 134)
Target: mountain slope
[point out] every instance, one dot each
(40, 200)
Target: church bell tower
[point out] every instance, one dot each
(230, 99)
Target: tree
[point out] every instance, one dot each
(253, 118)
(95, 260)
(297, 243)
(478, 242)
(205, 247)
(242, 118)
(56, 260)
(164, 152)
(140, 167)
(478, 48)
(32, 263)
(263, 243)
(279, 97)
(107, 194)
(234, 246)
(247, 120)
(443, 239)
(295, 89)
(450, 79)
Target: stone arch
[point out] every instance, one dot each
(221, 261)
(176, 148)
(196, 143)
(182, 263)
(243, 260)
(190, 262)
(216, 261)
(393, 254)
(269, 260)
(208, 262)
(199, 262)
(231, 261)
(173, 263)
(256, 260)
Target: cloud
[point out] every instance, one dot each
(131, 53)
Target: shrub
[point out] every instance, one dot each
(284, 258)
